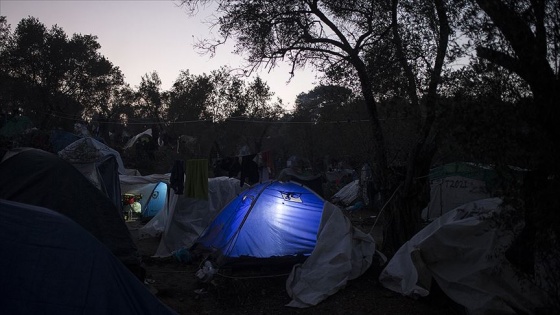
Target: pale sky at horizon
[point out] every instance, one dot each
(141, 36)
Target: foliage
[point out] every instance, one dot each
(51, 77)
(322, 103)
(334, 113)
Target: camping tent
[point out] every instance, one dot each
(51, 265)
(40, 178)
(145, 135)
(104, 174)
(270, 221)
(455, 184)
(99, 163)
(88, 149)
(464, 252)
(283, 223)
(153, 195)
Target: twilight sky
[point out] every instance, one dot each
(141, 36)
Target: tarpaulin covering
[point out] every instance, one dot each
(464, 251)
(342, 253)
(183, 219)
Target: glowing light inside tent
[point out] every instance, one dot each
(289, 196)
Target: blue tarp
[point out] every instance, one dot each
(60, 139)
(272, 219)
(51, 265)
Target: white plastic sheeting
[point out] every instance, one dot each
(451, 192)
(342, 253)
(183, 219)
(464, 252)
(133, 140)
(89, 148)
(347, 194)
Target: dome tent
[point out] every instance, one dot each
(54, 266)
(286, 224)
(271, 221)
(43, 179)
(152, 196)
(454, 184)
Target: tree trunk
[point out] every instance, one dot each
(379, 165)
(412, 195)
(541, 186)
(414, 192)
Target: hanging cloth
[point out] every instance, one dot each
(196, 181)
(249, 170)
(177, 178)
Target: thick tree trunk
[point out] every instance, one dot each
(379, 166)
(414, 192)
(540, 193)
(410, 197)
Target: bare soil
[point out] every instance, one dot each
(176, 285)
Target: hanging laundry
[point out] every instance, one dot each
(196, 181)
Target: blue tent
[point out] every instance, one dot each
(153, 196)
(51, 265)
(273, 222)
(43, 179)
(155, 201)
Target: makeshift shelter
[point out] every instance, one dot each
(51, 265)
(145, 136)
(40, 178)
(342, 253)
(454, 184)
(183, 219)
(88, 149)
(286, 223)
(464, 252)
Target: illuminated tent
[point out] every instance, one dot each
(270, 221)
(284, 224)
(153, 196)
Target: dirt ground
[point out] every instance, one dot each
(176, 285)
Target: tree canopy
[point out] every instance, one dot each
(54, 77)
